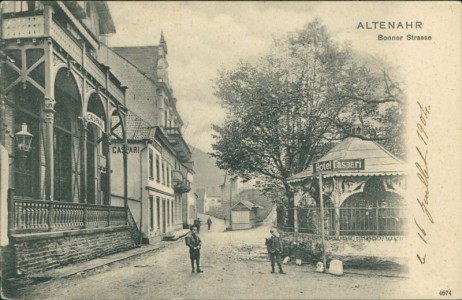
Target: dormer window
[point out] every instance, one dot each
(357, 128)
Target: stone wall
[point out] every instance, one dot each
(34, 253)
(354, 250)
(7, 261)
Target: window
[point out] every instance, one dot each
(157, 168)
(98, 190)
(63, 146)
(22, 6)
(27, 169)
(158, 211)
(163, 172)
(168, 175)
(91, 163)
(168, 212)
(151, 165)
(151, 210)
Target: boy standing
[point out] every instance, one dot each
(194, 243)
(274, 246)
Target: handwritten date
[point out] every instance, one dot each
(423, 174)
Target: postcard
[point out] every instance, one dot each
(231, 150)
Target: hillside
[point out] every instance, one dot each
(206, 172)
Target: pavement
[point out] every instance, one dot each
(82, 267)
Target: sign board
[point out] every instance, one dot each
(92, 118)
(119, 149)
(339, 165)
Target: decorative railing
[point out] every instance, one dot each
(23, 27)
(173, 131)
(92, 66)
(344, 221)
(28, 216)
(68, 44)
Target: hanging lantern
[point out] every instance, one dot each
(23, 139)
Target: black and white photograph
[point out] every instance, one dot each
(230, 150)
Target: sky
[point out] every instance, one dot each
(203, 36)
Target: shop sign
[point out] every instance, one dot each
(92, 118)
(119, 149)
(339, 165)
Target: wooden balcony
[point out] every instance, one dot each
(33, 216)
(23, 27)
(32, 25)
(179, 144)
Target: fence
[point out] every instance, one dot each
(29, 216)
(348, 221)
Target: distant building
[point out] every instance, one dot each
(237, 185)
(162, 166)
(244, 215)
(214, 197)
(201, 200)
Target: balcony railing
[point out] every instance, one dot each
(179, 144)
(31, 216)
(23, 27)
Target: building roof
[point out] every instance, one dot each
(247, 204)
(213, 191)
(138, 129)
(378, 160)
(144, 58)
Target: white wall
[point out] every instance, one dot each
(133, 170)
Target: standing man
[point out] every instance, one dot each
(194, 243)
(274, 246)
(225, 219)
(197, 224)
(209, 222)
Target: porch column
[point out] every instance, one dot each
(336, 193)
(84, 177)
(2, 98)
(83, 132)
(297, 198)
(49, 103)
(108, 136)
(49, 116)
(125, 166)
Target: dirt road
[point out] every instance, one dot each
(235, 267)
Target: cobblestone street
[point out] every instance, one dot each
(235, 266)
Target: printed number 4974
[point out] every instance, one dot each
(445, 293)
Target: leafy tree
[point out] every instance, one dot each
(291, 106)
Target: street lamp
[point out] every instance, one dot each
(23, 139)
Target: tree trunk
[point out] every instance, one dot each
(290, 211)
